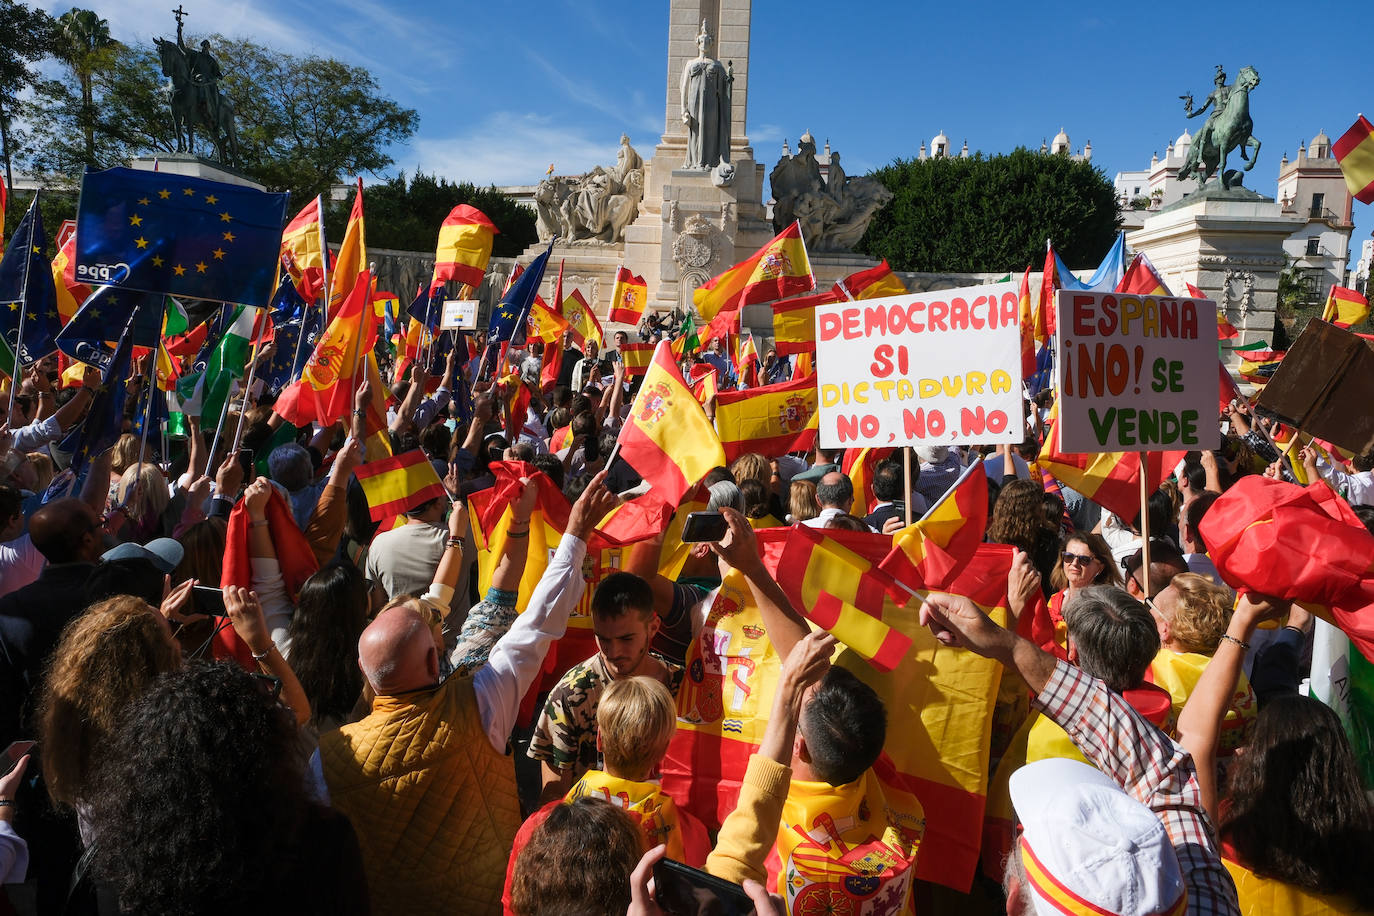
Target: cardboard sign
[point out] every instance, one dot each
(937, 368)
(1135, 373)
(1325, 387)
(458, 315)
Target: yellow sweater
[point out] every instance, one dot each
(749, 832)
(433, 803)
(1270, 897)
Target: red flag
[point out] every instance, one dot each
(1225, 330)
(1027, 320)
(936, 548)
(1044, 312)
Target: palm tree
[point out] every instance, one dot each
(82, 38)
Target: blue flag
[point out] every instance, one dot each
(514, 308)
(165, 233)
(103, 424)
(26, 282)
(87, 337)
(291, 316)
(1108, 273)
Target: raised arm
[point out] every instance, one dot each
(326, 524)
(740, 551)
(245, 613)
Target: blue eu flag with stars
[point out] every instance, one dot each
(26, 283)
(514, 308)
(174, 234)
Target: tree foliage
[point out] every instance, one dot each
(992, 213)
(26, 37)
(406, 215)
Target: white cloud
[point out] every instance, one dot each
(508, 148)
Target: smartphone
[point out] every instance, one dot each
(704, 526)
(206, 600)
(13, 754)
(685, 891)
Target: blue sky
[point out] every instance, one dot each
(504, 89)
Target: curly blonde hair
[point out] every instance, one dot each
(1202, 615)
(107, 659)
(752, 466)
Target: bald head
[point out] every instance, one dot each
(835, 491)
(397, 654)
(64, 531)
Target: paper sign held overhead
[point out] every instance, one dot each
(938, 368)
(1135, 373)
(458, 315)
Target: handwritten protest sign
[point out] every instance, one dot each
(936, 368)
(1135, 373)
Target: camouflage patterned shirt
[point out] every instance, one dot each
(565, 735)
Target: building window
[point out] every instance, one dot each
(1314, 245)
(1136, 192)
(1318, 205)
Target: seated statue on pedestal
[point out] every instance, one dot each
(596, 206)
(833, 213)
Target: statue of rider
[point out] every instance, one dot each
(205, 74)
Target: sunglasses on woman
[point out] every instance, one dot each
(1075, 559)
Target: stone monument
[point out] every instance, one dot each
(1223, 238)
(593, 208)
(834, 211)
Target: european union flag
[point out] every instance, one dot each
(291, 316)
(26, 282)
(87, 336)
(183, 236)
(514, 308)
(103, 424)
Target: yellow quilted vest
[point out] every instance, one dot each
(1269, 897)
(433, 803)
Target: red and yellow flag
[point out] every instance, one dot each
(352, 259)
(935, 549)
(770, 420)
(303, 250)
(1225, 329)
(1355, 153)
(637, 357)
(1026, 320)
(777, 270)
(464, 247)
(324, 392)
(628, 298)
(398, 483)
(1110, 479)
(376, 442)
(70, 294)
(666, 437)
(546, 324)
(794, 323)
(1258, 366)
(747, 361)
(582, 321)
(705, 387)
(1345, 307)
(873, 283)
(859, 464)
(1142, 279)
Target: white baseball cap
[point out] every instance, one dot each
(1088, 847)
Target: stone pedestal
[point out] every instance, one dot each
(1229, 244)
(194, 166)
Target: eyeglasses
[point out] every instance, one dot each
(1074, 559)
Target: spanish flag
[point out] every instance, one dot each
(352, 258)
(934, 549)
(776, 271)
(1258, 366)
(1225, 329)
(464, 248)
(582, 322)
(398, 483)
(1110, 479)
(747, 361)
(324, 392)
(546, 324)
(628, 298)
(1345, 307)
(70, 294)
(1355, 153)
(1142, 279)
(636, 357)
(859, 464)
(794, 323)
(873, 283)
(705, 387)
(769, 420)
(666, 437)
(1027, 322)
(376, 441)
(303, 250)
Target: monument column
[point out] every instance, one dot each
(729, 23)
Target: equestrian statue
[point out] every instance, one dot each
(1227, 128)
(194, 96)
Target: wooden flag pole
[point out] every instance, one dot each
(906, 481)
(1145, 520)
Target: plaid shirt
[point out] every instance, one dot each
(1152, 769)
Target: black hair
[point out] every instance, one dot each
(621, 593)
(840, 493)
(331, 612)
(888, 480)
(844, 725)
(551, 466)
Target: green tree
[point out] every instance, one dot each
(85, 46)
(26, 37)
(992, 213)
(406, 215)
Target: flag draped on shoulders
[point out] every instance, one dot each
(464, 247)
(770, 420)
(777, 270)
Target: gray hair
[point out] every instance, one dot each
(725, 493)
(1114, 634)
(838, 494)
(291, 466)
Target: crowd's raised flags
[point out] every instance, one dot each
(705, 386)
(90, 336)
(804, 366)
(667, 438)
(637, 358)
(513, 310)
(772, 419)
(936, 548)
(1044, 306)
(1345, 307)
(70, 294)
(324, 392)
(1026, 323)
(178, 235)
(582, 321)
(873, 283)
(352, 257)
(28, 296)
(228, 361)
(628, 298)
(1107, 276)
(777, 270)
(547, 325)
(686, 340)
(1258, 362)
(464, 248)
(105, 420)
(794, 322)
(1355, 153)
(396, 484)
(303, 250)
(747, 361)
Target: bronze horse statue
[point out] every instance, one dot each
(1226, 130)
(189, 110)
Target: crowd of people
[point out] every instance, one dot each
(225, 687)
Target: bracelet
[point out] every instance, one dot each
(1298, 630)
(454, 542)
(259, 656)
(260, 523)
(359, 413)
(518, 534)
(1230, 638)
(6, 803)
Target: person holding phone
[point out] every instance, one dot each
(14, 851)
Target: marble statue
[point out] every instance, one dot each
(594, 207)
(706, 106)
(194, 95)
(1228, 127)
(833, 213)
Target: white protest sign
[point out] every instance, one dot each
(937, 368)
(458, 314)
(1135, 373)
